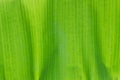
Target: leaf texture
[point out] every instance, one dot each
(59, 40)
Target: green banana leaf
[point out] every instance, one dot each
(59, 40)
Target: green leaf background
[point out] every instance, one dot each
(59, 40)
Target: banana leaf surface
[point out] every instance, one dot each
(59, 40)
